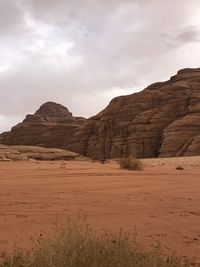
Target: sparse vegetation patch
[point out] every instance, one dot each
(77, 245)
(131, 163)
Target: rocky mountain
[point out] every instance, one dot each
(161, 121)
(51, 126)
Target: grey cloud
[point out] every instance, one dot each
(189, 34)
(10, 15)
(183, 36)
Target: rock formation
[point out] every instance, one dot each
(161, 121)
(15, 153)
(51, 126)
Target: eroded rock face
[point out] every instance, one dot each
(51, 126)
(14, 153)
(50, 112)
(161, 121)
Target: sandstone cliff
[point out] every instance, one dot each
(161, 121)
(51, 126)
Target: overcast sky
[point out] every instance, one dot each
(82, 53)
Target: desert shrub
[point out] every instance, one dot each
(131, 163)
(77, 245)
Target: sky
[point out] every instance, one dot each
(83, 53)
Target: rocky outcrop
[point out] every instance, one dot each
(15, 153)
(51, 126)
(161, 121)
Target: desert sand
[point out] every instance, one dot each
(160, 203)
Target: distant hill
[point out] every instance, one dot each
(52, 125)
(161, 121)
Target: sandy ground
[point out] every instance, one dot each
(160, 202)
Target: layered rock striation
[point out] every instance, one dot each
(161, 121)
(51, 126)
(15, 153)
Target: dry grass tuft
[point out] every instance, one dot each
(131, 163)
(77, 245)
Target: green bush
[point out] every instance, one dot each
(131, 163)
(77, 245)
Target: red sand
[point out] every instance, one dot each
(162, 203)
